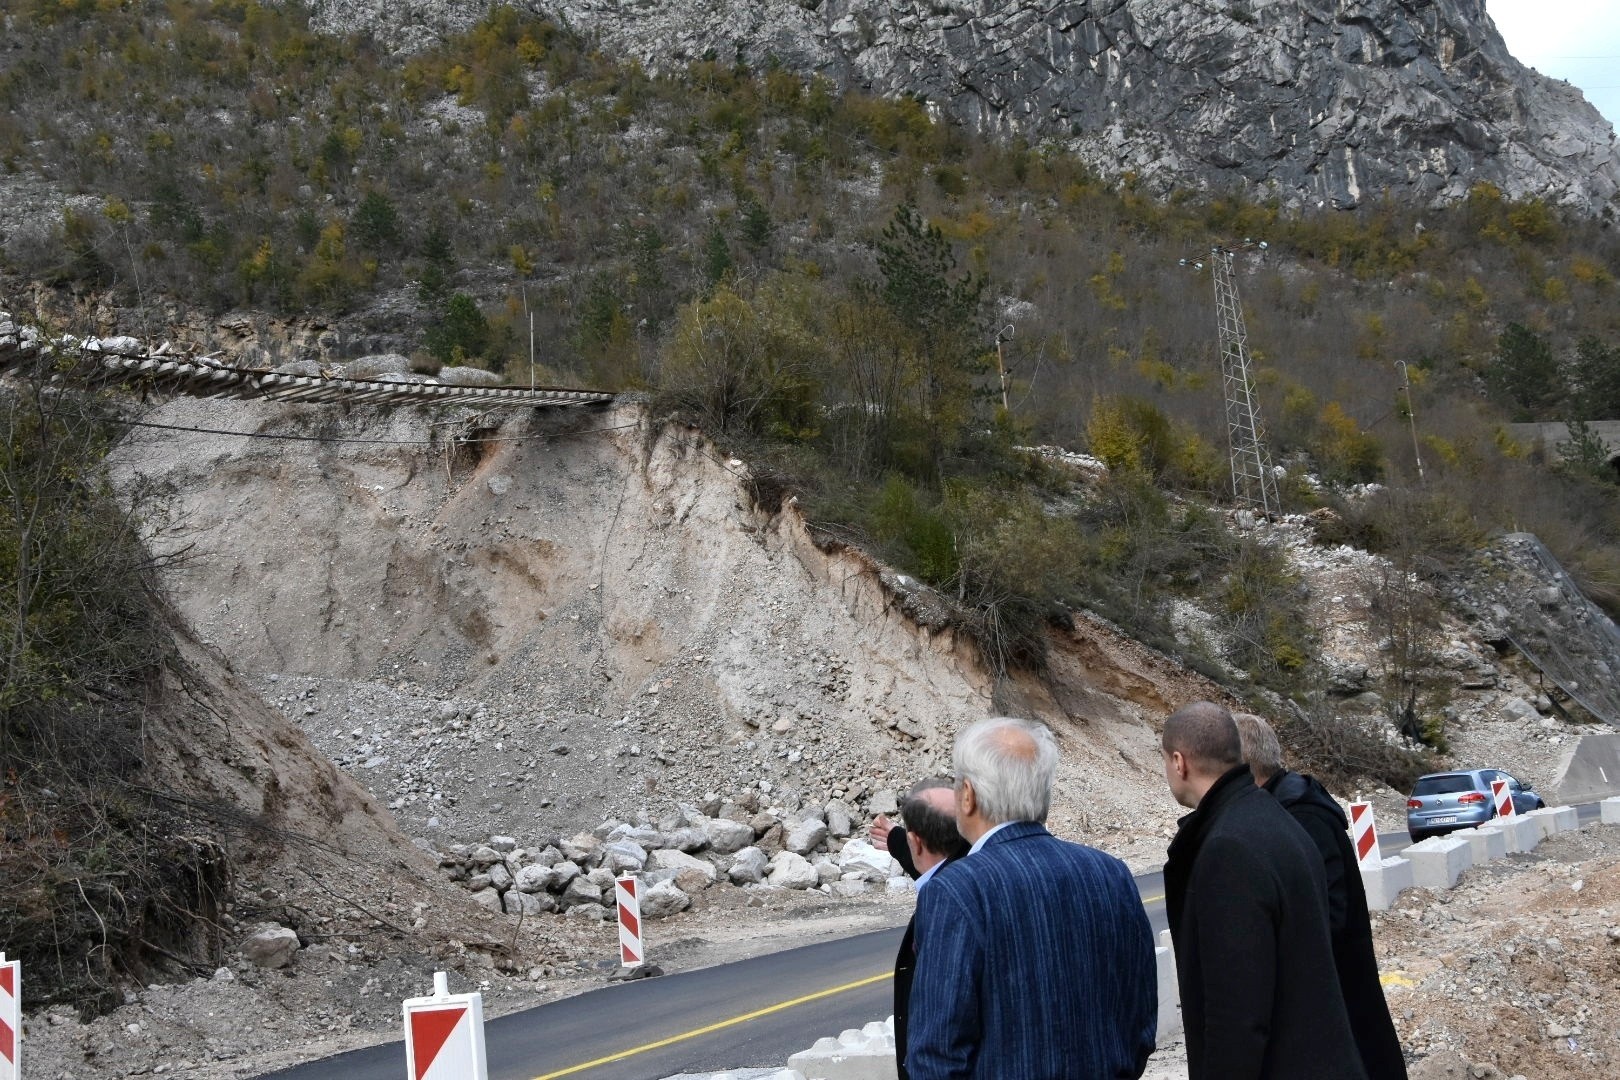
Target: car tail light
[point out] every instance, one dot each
(1414, 804)
(1471, 797)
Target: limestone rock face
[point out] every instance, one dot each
(1318, 102)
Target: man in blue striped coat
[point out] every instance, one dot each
(1034, 955)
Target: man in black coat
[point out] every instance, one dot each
(930, 840)
(1351, 927)
(1247, 901)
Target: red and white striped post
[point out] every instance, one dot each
(444, 1035)
(10, 1018)
(1504, 799)
(632, 953)
(1365, 835)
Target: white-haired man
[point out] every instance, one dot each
(1034, 955)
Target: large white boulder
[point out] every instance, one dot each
(522, 903)
(664, 898)
(748, 867)
(726, 836)
(468, 376)
(582, 890)
(488, 898)
(790, 870)
(534, 878)
(369, 367)
(806, 835)
(623, 856)
(859, 856)
(271, 946)
(500, 877)
(680, 862)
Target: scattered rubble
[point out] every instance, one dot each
(677, 857)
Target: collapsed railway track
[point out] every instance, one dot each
(95, 363)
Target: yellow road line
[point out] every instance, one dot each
(1152, 899)
(756, 1014)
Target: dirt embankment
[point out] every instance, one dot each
(520, 622)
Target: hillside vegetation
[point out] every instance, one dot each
(820, 279)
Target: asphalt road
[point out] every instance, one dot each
(687, 1022)
(751, 1014)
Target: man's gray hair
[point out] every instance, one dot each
(1261, 751)
(1012, 764)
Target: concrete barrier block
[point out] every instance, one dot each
(1488, 842)
(1610, 811)
(857, 1054)
(1552, 820)
(1169, 996)
(1523, 834)
(1385, 882)
(1439, 861)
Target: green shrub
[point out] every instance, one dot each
(461, 335)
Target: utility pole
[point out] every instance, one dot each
(1004, 334)
(1411, 417)
(1253, 480)
(529, 315)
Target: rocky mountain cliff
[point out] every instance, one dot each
(1315, 102)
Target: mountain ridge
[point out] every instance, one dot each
(1311, 102)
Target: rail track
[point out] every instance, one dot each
(96, 363)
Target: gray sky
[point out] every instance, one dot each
(1574, 40)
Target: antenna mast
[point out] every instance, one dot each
(1253, 480)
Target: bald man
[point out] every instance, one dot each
(932, 841)
(1318, 813)
(1246, 897)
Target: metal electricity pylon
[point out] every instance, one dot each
(1253, 480)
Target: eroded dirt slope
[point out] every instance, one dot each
(574, 615)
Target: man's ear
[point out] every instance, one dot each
(967, 800)
(1178, 762)
(914, 844)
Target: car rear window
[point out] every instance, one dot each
(1444, 785)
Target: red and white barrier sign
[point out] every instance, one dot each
(631, 951)
(10, 1018)
(444, 1035)
(1365, 835)
(1504, 799)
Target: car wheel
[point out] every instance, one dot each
(1540, 805)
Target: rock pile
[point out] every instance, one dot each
(722, 842)
(17, 341)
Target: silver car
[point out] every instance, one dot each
(1448, 801)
